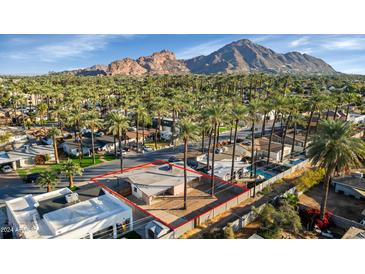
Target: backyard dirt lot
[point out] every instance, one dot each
(338, 204)
(170, 209)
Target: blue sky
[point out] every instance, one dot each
(37, 54)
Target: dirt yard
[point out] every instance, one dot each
(338, 203)
(170, 210)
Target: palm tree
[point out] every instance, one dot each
(239, 113)
(47, 179)
(54, 133)
(254, 109)
(118, 125)
(188, 131)
(69, 169)
(93, 122)
(140, 113)
(335, 150)
(215, 114)
(277, 104)
(42, 109)
(315, 104)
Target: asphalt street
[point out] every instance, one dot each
(12, 186)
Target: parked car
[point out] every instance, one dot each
(31, 178)
(219, 150)
(147, 149)
(173, 159)
(6, 169)
(123, 152)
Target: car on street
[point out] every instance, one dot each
(173, 159)
(6, 169)
(147, 149)
(31, 178)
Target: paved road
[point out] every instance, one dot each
(11, 186)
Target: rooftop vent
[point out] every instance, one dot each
(72, 198)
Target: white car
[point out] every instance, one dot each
(147, 149)
(6, 169)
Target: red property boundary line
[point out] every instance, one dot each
(94, 180)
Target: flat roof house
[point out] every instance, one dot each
(350, 186)
(262, 146)
(163, 180)
(26, 155)
(66, 214)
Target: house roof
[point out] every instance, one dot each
(222, 168)
(262, 144)
(25, 152)
(61, 218)
(146, 133)
(153, 180)
(351, 181)
(87, 142)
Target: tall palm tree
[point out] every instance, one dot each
(188, 132)
(69, 169)
(215, 114)
(315, 104)
(140, 113)
(42, 109)
(93, 122)
(118, 126)
(335, 150)
(47, 179)
(254, 109)
(239, 113)
(55, 133)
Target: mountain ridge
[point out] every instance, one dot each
(242, 56)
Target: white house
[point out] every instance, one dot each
(356, 118)
(25, 156)
(62, 214)
(153, 181)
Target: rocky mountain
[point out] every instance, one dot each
(163, 62)
(242, 56)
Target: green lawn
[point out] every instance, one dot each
(223, 129)
(85, 162)
(110, 157)
(160, 144)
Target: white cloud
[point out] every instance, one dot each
(299, 42)
(262, 38)
(345, 44)
(202, 49)
(79, 46)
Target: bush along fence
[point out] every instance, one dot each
(250, 217)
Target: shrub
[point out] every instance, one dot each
(228, 232)
(309, 179)
(274, 220)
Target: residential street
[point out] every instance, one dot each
(12, 186)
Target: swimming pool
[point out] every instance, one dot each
(295, 162)
(263, 173)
